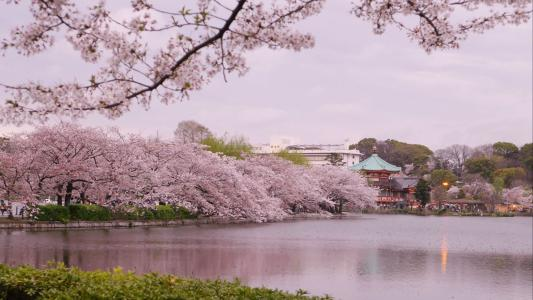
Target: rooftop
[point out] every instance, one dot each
(375, 163)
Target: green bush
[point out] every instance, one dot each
(59, 282)
(161, 212)
(129, 213)
(503, 214)
(146, 214)
(53, 212)
(164, 212)
(295, 158)
(235, 146)
(183, 213)
(85, 212)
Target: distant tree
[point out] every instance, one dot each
(191, 132)
(439, 194)
(294, 157)
(480, 189)
(335, 159)
(454, 157)
(461, 194)
(402, 154)
(510, 175)
(498, 184)
(422, 194)
(483, 166)
(439, 176)
(483, 151)
(235, 147)
(526, 158)
(366, 146)
(453, 192)
(518, 195)
(505, 149)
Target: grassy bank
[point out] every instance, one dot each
(59, 282)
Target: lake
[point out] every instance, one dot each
(366, 257)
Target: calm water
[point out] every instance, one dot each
(368, 257)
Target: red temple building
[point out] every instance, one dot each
(394, 188)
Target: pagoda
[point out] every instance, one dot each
(379, 174)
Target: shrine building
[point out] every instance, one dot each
(394, 188)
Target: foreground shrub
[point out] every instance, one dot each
(52, 212)
(85, 212)
(164, 212)
(183, 213)
(59, 282)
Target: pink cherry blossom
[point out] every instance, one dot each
(200, 41)
(70, 163)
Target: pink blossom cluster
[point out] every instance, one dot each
(70, 164)
(442, 24)
(518, 195)
(195, 42)
(165, 51)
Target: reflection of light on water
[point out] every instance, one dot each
(443, 254)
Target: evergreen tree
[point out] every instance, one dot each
(422, 192)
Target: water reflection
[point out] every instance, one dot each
(443, 254)
(367, 258)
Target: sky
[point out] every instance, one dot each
(352, 84)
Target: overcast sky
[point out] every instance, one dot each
(352, 84)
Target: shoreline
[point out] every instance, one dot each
(43, 225)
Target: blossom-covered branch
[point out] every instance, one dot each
(165, 53)
(442, 24)
(202, 42)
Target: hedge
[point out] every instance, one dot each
(164, 212)
(84, 212)
(59, 282)
(52, 212)
(183, 213)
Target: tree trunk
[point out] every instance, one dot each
(82, 197)
(68, 193)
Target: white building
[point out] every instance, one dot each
(319, 154)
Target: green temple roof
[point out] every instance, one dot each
(375, 163)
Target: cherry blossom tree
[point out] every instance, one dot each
(518, 195)
(67, 157)
(293, 184)
(16, 167)
(344, 188)
(453, 192)
(482, 190)
(89, 165)
(160, 52)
